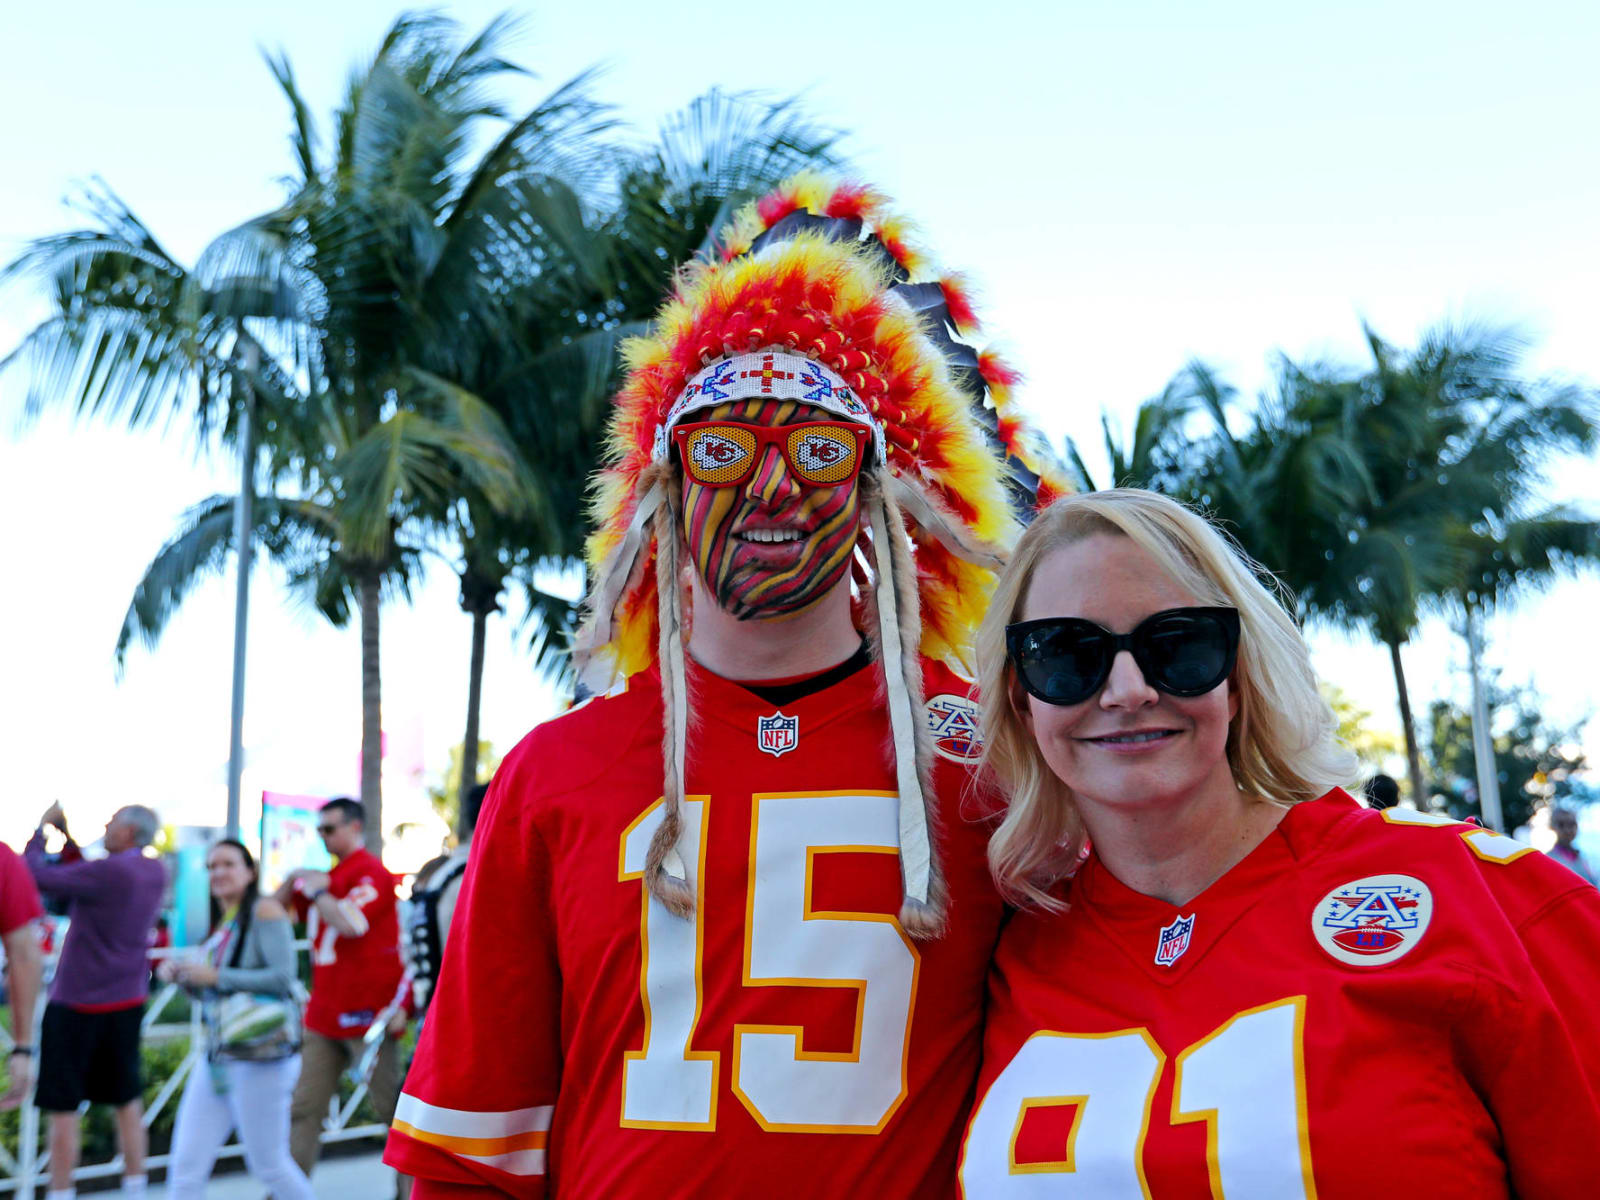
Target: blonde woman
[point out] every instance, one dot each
(1252, 986)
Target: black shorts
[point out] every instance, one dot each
(91, 1056)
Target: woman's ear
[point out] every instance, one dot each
(1019, 700)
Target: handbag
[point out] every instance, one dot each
(251, 1027)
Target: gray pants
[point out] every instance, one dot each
(321, 1061)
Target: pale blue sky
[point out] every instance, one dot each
(1129, 184)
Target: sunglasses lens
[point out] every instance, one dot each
(719, 455)
(1063, 663)
(824, 455)
(1187, 653)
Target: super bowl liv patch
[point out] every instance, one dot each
(953, 721)
(1372, 921)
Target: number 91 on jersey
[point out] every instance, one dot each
(1245, 1080)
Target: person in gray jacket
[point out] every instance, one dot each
(250, 951)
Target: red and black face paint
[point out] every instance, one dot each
(775, 544)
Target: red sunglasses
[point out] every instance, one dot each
(819, 453)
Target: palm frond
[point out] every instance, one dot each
(303, 138)
(1077, 470)
(551, 622)
(410, 459)
(198, 550)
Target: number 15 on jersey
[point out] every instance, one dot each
(784, 1086)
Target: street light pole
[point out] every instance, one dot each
(243, 537)
(1482, 741)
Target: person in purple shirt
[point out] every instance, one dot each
(89, 1043)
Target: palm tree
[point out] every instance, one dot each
(380, 280)
(134, 334)
(1416, 475)
(602, 276)
(1303, 492)
(414, 251)
(1454, 441)
(1380, 496)
(1516, 543)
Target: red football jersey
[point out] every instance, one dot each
(353, 978)
(1370, 1004)
(789, 1041)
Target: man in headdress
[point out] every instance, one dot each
(725, 927)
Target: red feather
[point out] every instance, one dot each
(997, 373)
(959, 301)
(1008, 428)
(775, 206)
(896, 246)
(1047, 496)
(850, 200)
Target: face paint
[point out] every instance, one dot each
(771, 545)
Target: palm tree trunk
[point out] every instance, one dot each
(371, 714)
(469, 745)
(1419, 792)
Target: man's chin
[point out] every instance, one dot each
(774, 613)
(738, 604)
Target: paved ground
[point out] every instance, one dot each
(356, 1177)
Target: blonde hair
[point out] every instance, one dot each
(1282, 744)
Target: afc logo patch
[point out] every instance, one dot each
(777, 735)
(1372, 921)
(1173, 940)
(953, 721)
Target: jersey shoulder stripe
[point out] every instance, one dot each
(512, 1141)
(1522, 880)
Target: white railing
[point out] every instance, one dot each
(24, 1173)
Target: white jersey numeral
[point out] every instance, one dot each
(666, 1085)
(323, 938)
(1110, 1078)
(1245, 1080)
(788, 943)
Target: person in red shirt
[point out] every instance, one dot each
(724, 927)
(1252, 986)
(19, 909)
(354, 931)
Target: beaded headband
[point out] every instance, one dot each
(769, 372)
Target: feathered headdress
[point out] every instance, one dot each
(817, 282)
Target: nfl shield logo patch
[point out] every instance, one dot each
(777, 734)
(1174, 940)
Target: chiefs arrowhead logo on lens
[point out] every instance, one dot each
(819, 451)
(712, 452)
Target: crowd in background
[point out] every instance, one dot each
(270, 1065)
(272, 1056)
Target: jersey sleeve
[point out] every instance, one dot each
(475, 1114)
(368, 902)
(1545, 1091)
(19, 899)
